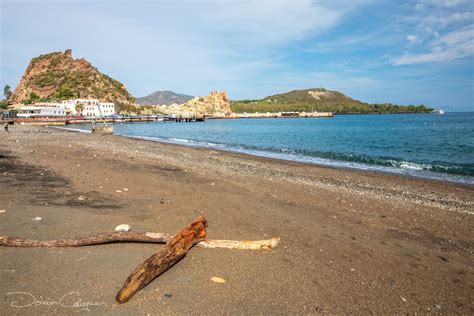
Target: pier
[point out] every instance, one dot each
(61, 121)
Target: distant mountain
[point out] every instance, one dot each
(58, 76)
(164, 98)
(321, 100)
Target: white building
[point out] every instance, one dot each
(89, 107)
(41, 111)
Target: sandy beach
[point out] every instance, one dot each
(351, 241)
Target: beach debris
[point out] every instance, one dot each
(175, 248)
(125, 189)
(352, 270)
(168, 295)
(81, 198)
(162, 260)
(159, 238)
(85, 241)
(3, 211)
(266, 244)
(37, 219)
(403, 299)
(122, 228)
(216, 279)
(118, 191)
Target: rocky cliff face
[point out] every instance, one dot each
(57, 76)
(216, 104)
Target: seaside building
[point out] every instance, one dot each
(89, 107)
(30, 111)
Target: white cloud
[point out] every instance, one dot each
(444, 31)
(433, 24)
(273, 21)
(453, 45)
(439, 3)
(413, 39)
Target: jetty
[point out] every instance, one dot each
(61, 121)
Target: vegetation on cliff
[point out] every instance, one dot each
(320, 100)
(57, 76)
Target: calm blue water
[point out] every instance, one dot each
(423, 145)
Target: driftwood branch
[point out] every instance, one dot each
(266, 244)
(162, 260)
(87, 240)
(136, 237)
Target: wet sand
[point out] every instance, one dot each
(351, 241)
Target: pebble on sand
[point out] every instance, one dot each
(3, 211)
(217, 279)
(37, 219)
(122, 228)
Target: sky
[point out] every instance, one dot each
(377, 51)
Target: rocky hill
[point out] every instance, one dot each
(321, 100)
(164, 98)
(216, 104)
(57, 76)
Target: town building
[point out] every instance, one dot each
(89, 107)
(30, 111)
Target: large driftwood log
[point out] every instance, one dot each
(161, 238)
(161, 261)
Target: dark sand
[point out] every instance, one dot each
(351, 241)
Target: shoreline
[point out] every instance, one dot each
(385, 243)
(452, 178)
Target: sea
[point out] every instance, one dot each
(431, 146)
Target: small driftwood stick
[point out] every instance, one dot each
(266, 244)
(86, 241)
(161, 238)
(162, 260)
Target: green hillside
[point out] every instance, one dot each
(320, 100)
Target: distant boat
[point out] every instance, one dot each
(440, 111)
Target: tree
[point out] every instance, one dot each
(7, 92)
(79, 108)
(3, 105)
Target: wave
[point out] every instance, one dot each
(79, 130)
(437, 171)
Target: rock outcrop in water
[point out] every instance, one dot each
(216, 104)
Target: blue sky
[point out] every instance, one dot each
(404, 52)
